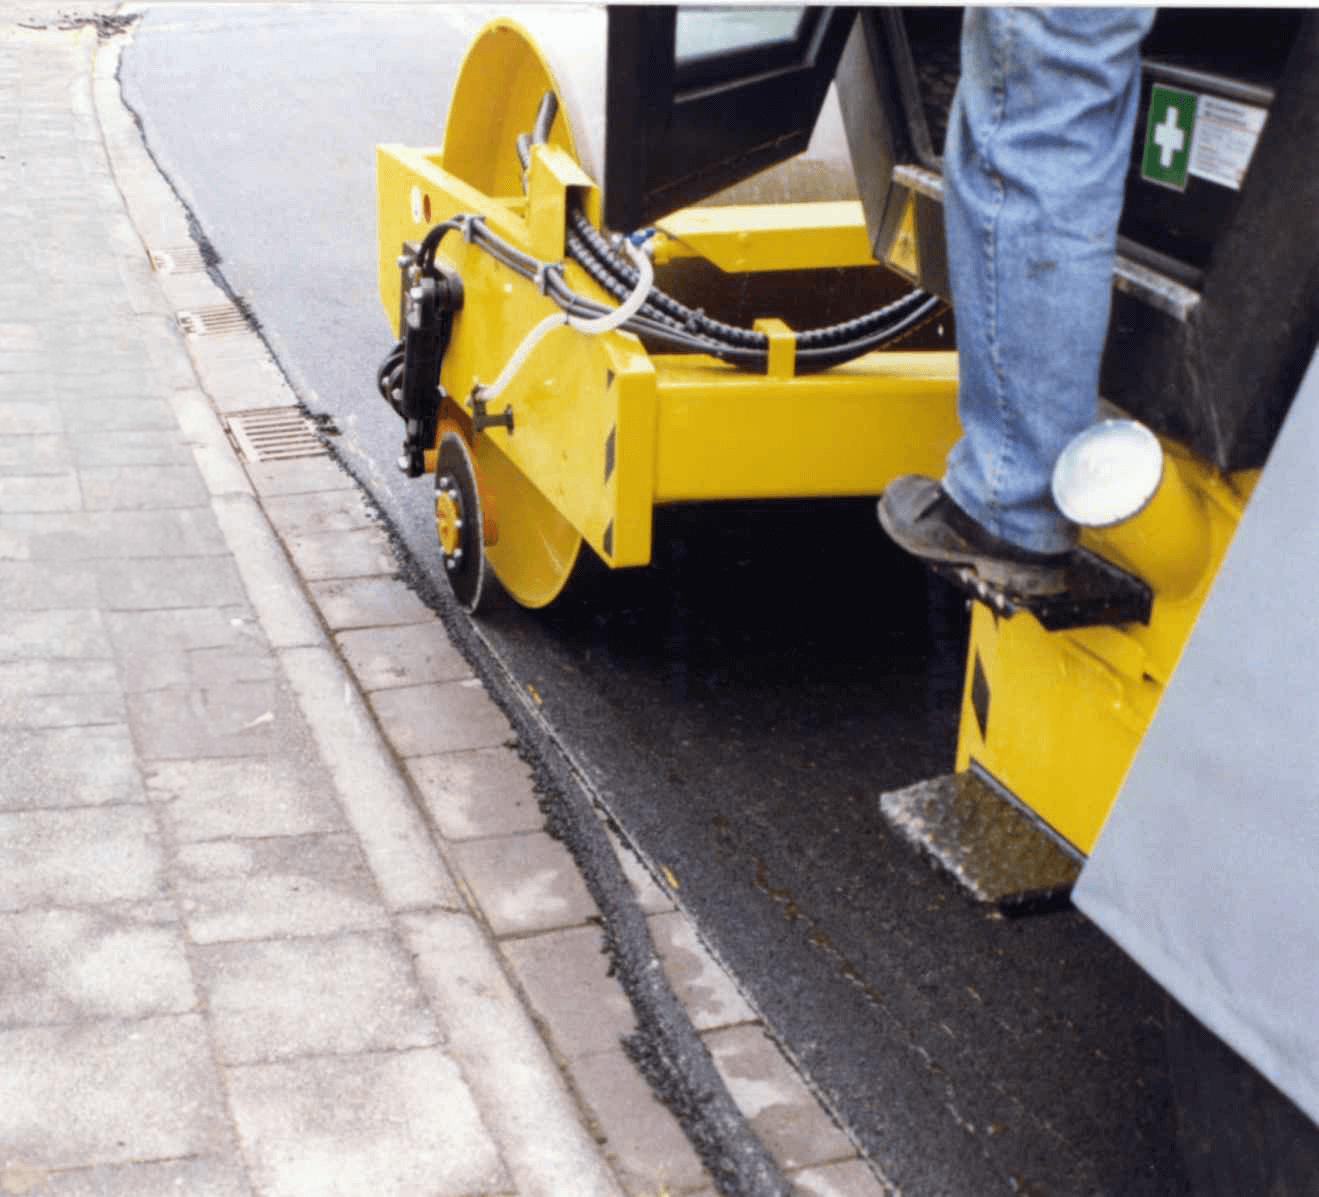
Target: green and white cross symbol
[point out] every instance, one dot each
(1168, 136)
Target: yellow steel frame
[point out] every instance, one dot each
(1065, 711)
(602, 430)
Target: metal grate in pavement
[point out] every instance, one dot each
(213, 321)
(179, 259)
(275, 434)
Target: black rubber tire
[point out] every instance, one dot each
(469, 576)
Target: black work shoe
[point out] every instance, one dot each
(921, 518)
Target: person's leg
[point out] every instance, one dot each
(1035, 165)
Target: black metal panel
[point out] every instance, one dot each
(676, 134)
(1223, 380)
(880, 102)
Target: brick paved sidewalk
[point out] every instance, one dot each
(242, 950)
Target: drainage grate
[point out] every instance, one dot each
(179, 259)
(275, 434)
(210, 322)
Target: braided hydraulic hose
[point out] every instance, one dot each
(666, 321)
(599, 247)
(869, 329)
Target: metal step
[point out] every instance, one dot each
(999, 852)
(1097, 593)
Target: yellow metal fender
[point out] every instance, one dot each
(1056, 717)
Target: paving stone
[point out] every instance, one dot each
(213, 1177)
(141, 487)
(258, 889)
(36, 676)
(299, 476)
(325, 511)
(186, 532)
(782, 1112)
(75, 857)
(239, 385)
(180, 646)
(66, 634)
(147, 584)
(393, 1125)
(517, 1083)
(102, 1094)
(643, 1140)
(405, 656)
(120, 406)
(704, 988)
(29, 455)
(368, 602)
(650, 896)
(565, 975)
(376, 799)
(333, 995)
(46, 492)
(24, 418)
(341, 554)
(57, 766)
(849, 1178)
(524, 883)
(67, 766)
(45, 585)
(440, 717)
(134, 447)
(244, 796)
(235, 719)
(19, 709)
(64, 965)
(478, 793)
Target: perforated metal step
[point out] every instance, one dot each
(1097, 593)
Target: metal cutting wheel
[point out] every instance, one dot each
(459, 521)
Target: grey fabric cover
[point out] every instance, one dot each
(1207, 871)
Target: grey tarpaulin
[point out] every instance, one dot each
(1207, 871)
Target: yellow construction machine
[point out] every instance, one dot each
(547, 269)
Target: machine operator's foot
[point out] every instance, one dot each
(921, 518)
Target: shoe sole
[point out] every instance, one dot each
(1029, 581)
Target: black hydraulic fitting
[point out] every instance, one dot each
(430, 297)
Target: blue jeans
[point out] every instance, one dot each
(1034, 165)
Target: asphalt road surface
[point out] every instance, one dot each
(740, 705)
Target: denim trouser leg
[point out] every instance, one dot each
(1035, 165)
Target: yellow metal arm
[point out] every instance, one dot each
(755, 237)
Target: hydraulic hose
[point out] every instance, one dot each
(860, 335)
(667, 322)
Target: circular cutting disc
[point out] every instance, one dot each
(458, 521)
